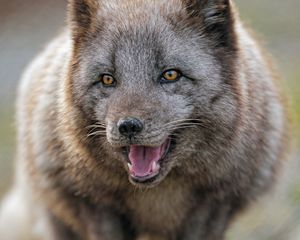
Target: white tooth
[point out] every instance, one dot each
(129, 166)
(155, 167)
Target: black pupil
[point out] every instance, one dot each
(171, 74)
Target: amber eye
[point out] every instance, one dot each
(171, 76)
(108, 80)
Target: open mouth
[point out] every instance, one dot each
(144, 163)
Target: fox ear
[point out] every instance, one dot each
(217, 18)
(82, 15)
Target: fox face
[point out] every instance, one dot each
(153, 82)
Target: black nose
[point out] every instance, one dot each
(130, 126)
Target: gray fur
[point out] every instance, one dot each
(227, 153)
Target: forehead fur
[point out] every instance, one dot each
(133, 7)
(130, 13)
(214, 17)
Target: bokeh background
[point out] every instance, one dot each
(27, 26)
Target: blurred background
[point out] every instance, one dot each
(27, 26)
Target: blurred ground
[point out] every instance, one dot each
(26, 26)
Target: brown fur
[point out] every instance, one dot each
(80, 184)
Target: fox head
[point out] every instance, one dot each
(153, 83)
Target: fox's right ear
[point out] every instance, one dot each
(82, 15)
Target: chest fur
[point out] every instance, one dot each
(162, 209)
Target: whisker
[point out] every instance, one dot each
(178, 128)
(186, 120)
(94, 129)
(96, 126)
(189, 124)
(97, 133)
(172, 128)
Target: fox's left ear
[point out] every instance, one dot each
(82, 15)
(217, 18)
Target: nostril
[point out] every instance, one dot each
(130, 126)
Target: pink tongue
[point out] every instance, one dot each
(142, 158)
